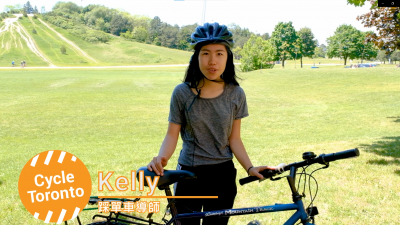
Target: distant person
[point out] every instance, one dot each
(22, 64)
(13, 63)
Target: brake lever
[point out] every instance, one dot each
(280, 169)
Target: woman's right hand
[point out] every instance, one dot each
(157, 164)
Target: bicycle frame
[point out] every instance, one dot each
(298, 206)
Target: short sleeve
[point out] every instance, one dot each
(241, 107)
(176, 107)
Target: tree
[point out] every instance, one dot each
(345, 43)
(257, 54)
(284, 40)
(118, 24)
(306, 43)
(382, 57)
(43, 10)
(140, 34)
(240, 35)
(155, 29)
(368, 50)
(237, 52)
(396, 56)
(34, 31)
(386, 20)
(168, 35)
(265, 36)
(63, 50)
(28, 8)
(184, 36)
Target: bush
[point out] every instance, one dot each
(96, 36)
(25, 15)
(63, 50)
(34, 31)
(34, 17)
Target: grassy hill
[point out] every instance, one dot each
(117, 52)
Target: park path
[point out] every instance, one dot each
(11, 25)
(72, 44)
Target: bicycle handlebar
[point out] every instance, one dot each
(321, 159)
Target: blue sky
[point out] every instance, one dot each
(260, 16)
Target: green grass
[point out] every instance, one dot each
(116, 119)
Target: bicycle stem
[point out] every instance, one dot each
(291, 179)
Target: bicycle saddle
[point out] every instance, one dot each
(170, 176)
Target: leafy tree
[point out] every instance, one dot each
(155, 29)
(320, 51)
(237, 52)
(140, 34)
(168, 35)
(240, 35)
(396, 56)
(306, 43)
(257, 54)
(284, 39)
(386, 20)
(382, 56)
(345, 43)
(43, 10)
(118, 24)
(35, 10)
(184, 36)
(265, 36)
(28, 8)
(367, 50)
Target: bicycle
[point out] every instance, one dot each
(306, 216)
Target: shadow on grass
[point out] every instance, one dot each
(397, 119)
(388, 147)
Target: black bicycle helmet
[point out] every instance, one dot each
(211, 32)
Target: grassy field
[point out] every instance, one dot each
(116, 119)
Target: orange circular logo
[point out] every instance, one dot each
(54, 186)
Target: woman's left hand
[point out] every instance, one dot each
(255, 171)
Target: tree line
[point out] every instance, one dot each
(95, 23)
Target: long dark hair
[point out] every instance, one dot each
(193, 74)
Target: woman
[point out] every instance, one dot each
(207, 110)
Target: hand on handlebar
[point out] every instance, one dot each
(157, 164)
(255, 171)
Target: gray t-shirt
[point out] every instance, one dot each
(206, 127)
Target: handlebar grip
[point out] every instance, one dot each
(247, 180)
(340, 155)
(265, 173)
